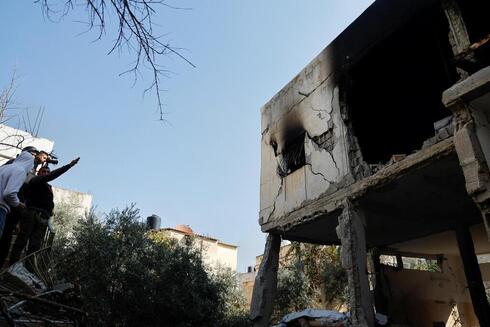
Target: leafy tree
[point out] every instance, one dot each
(310, 276)
(66, 215)
(127, 279)
(293, 291)
(236, 313)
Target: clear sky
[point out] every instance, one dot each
(203, 168)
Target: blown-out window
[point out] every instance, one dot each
(293, 155)
(393, 94)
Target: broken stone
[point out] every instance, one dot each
(395, 158)
(429, 142)
(325, 141)
(445, 122)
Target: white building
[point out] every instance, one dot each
(215, 253)
(12, 140)
(80, 202)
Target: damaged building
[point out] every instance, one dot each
(381, 144)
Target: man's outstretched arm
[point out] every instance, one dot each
(55, 173)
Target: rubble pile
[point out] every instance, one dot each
(30, 295)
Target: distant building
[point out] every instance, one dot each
(80, 202)
(247, 279)
(214, 252)
(13, 140)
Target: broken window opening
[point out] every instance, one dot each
(292, 156)
(388, 260)
(423, 264)
(475, 17)
(430, 263)
(393, 95)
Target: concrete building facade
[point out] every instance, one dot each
(381, 144)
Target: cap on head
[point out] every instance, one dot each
(30, 149)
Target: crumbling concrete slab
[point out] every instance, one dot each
(329, 203)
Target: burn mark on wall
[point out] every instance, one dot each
(290, 152)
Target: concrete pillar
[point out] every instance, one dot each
(473, 275)
(458, 35)
(471, 116)
(265, 286)
(381, 288)
(352, 233)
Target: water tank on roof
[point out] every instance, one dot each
(153, 222)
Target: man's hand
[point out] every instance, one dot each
(21, 206)
(74, 162)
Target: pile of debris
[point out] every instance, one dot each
(31, 296)
(315, 318)
(443, 129)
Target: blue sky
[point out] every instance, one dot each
(203, 168)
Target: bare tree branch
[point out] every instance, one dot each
(135, 32)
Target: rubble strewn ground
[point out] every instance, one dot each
(31, 295)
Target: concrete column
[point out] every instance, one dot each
(473, 275)
(352, 233)
(381, 289)
(466, 100)
(458, 35)
(265, 286)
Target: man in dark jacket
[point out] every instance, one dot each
(39, 202)
(14, 215)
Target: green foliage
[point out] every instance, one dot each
(425, 265)
(294, 291)
(127, 279)
(310, 276)
(236, 312)
(66, 215)
(334, 276)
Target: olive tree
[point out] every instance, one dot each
(127, 279)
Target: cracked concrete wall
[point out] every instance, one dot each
(312, 100)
